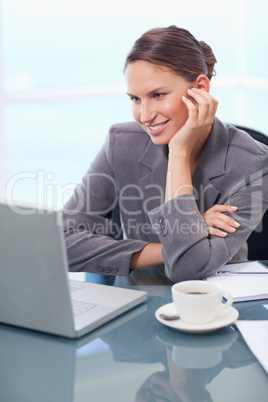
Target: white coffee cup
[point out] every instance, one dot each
(198, 302)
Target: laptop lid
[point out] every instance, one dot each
(34, 289)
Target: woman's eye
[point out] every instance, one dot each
(135, 99)
(157, 96)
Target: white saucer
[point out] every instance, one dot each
(227, 317)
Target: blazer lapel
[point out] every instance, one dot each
(153, 183)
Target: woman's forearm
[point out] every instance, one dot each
(179, 178)
(149, 256)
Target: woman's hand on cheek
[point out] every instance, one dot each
(202, 108)
(186, 146)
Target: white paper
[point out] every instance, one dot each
(243, 268)
(245, 281)
(255, 334)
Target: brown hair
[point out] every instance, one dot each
(174, 48)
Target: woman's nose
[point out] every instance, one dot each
(147, 113)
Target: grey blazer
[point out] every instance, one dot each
(119, 206)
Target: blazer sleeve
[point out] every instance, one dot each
(92, 226)
(188, 251)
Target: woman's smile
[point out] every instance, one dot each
(156, 129)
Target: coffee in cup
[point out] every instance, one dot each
(198, 302)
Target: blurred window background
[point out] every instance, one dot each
(62, 85)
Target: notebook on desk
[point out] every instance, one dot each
(246, 281)
(35, 291)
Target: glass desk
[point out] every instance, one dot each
(134, 357)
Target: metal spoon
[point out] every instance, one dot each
(169, 317)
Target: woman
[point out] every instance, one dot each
(177, 187)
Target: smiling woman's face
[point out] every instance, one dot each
(156, 95)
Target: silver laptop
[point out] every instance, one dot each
(35, 291)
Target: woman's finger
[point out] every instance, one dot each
(222, 208)
(216, 232)
(229, 227)
(207, 105)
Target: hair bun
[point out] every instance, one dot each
(209, 57)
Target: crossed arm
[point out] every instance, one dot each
(218, 224)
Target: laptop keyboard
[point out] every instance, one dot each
(81, 307)
(74, 288)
